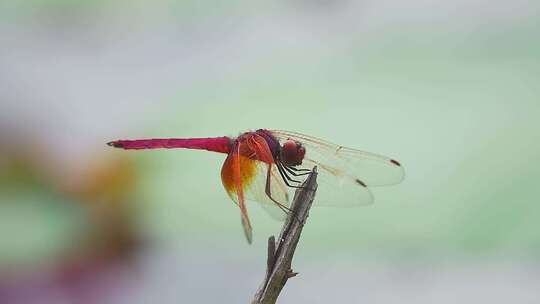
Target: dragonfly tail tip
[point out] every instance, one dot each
(115, 144)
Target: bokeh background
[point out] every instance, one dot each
(450, 88)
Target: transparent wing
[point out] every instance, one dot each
(254, 174)
(344, 173)
(360, 166)
(256, 191)
(338, 191)
(333, 190)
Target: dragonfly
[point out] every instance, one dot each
(265, 166)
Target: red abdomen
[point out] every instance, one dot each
(215, 144)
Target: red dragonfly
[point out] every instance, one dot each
(264, 165)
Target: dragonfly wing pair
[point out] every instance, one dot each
(345, 174)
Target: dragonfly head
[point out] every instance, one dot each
(292, 153)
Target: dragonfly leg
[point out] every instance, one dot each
(290, 170)
(269, 193)
(286, 178)
(284, 208)
(299, 169)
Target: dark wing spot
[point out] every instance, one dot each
(361, 183)
(395, 162)
(338, 148)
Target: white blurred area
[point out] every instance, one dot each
(74, 75)
(72, 67)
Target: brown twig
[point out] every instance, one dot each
(278, 269)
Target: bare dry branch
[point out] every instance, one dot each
(280, 255)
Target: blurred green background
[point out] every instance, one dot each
(449, 88)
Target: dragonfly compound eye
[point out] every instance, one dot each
(292, 153)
